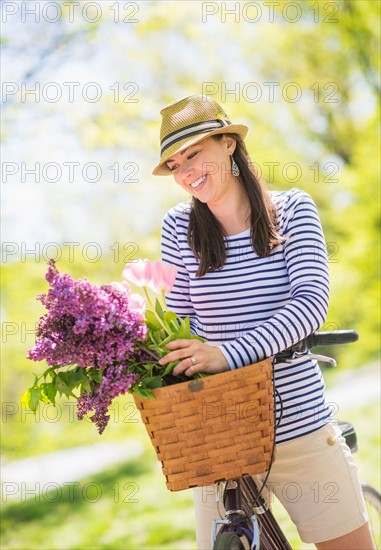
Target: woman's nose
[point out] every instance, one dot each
(185, 171)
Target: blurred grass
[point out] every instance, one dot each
(53, 429)
(124, 507)
(129, 507)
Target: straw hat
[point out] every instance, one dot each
(189, 120)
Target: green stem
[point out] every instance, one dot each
(148, 297)
(162, 300)
(150, 352)
(166, 340)
(152, 308)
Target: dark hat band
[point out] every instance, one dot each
(191, 130)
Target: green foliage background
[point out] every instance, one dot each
(331, 134)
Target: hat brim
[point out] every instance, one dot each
(162, 169)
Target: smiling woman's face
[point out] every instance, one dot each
(204, 169)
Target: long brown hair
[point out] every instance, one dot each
(206, 234)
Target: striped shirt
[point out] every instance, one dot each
(254, 307)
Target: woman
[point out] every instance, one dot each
(253, 277)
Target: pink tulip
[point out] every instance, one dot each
(163, 277)
(138, 272)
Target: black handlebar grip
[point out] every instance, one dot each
(332, 338)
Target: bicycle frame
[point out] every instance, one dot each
(235, 518)
(243, 501)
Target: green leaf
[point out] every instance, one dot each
(63, 376)
(174, 326)
(159, 310)
(144, 392)
(34, 396)
(50, 370)
(151, 321)
(154, 382)
(95, 375)
(44, 393)
(61, 385)
(169, 368)
(184, 331)
(170, 316)
(85, 386)
(195, 337)
(75, 377)
(51, 392)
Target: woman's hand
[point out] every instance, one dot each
(196, 357)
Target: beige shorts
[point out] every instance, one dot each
(316, 480)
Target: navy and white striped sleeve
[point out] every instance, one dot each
(307, 266)
(178, 300)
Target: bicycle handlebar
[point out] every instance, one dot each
(316, 339)
(328, 339)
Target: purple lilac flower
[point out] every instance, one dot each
(116, 381)
(90, 326)
(86, 325)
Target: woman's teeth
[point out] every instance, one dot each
(198, 182)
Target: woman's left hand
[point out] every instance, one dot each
(195, 357)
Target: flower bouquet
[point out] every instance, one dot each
(100, 342)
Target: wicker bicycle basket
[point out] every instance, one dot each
(213, 428)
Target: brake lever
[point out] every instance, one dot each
(318, 357)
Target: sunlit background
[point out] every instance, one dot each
(83, 85)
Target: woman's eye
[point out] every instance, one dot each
(175, 166)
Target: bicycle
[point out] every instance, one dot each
(248, 517)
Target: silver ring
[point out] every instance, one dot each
(193, 361)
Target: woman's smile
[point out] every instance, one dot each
(196, 185)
